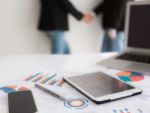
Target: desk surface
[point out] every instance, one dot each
(17, 66)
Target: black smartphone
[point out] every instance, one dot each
(21, 102)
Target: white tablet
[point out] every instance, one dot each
(102, 88)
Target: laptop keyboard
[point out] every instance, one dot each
(135, 57)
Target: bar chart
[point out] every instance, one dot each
(126, 110)
(45, 78)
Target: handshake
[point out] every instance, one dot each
(87, 18)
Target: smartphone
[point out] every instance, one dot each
(21, 102)
(101, 87)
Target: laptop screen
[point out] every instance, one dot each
(139, 27)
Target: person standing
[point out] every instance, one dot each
(113, 20)
(54, 21)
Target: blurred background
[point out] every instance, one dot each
(19, 35)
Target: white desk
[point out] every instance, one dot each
(18, 66)
(15, 65)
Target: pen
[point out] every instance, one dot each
(50, 92)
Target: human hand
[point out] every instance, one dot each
(88, 18)
(112, 33)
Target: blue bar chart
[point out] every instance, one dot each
(45, 78)
(126, 110)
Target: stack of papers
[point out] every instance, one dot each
(76, 102)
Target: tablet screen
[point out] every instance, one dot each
(99, 84)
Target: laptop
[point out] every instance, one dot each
(136, 56)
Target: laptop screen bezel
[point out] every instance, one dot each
(127, 22)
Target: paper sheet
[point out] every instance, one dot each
(47, 103)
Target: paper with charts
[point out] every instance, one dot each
(76, 102)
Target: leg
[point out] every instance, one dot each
(67, 49)
(118, 43)
(106, 43)
(59, 45)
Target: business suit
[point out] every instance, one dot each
(113, 12)
(54, 14)
(54, 20)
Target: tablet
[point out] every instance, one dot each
(102, 88)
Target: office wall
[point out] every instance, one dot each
(18, 33)
(88, 38)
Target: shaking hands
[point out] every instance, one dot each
(88, 18)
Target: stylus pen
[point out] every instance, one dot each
(50, 92)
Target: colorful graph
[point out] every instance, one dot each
(126, 110)
(13, 88)
(129, 76)
(48, 79)
(78, 103)
(121, 111)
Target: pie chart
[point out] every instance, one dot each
(12, 88)
(129, 76)
(78, 103)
